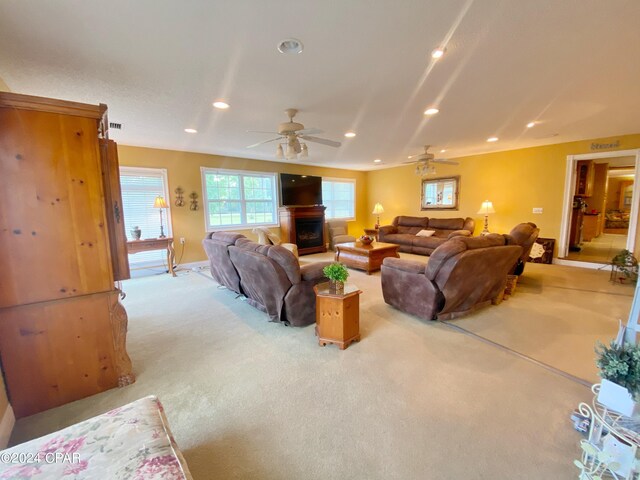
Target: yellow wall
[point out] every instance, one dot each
(183, 169)
(515, 181)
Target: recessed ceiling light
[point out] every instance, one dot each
(191, 130)
(438, 52)
(431, 111)
(377, 160)
(290, 45)
(531, 124)
(350, 134)
(221, 105)
(442, 151)
(492, 139)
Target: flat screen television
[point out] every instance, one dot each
(300, 190)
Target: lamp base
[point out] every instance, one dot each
(485, 231)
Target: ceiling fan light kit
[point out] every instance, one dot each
(424, 162)
(290, 133)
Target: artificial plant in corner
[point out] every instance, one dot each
(625, 263)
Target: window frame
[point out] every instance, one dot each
(165, 186)
(242, 173)
(351, 181)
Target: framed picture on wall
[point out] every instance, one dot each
(542, 250)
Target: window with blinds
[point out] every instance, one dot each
(140, 187)
(339, 196)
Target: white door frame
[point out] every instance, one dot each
(569, 191)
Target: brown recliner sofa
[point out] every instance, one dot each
(462, 274)
(216, 245)
(525, 235)
(403, 232)
(274, 282)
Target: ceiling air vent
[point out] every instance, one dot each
(115, 126)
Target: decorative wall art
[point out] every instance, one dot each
(179, 197)
(194, 201)
(542, 250)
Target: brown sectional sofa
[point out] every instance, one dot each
(462, 274)
(268, 275)
(403, 232)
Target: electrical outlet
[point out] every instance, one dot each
(537, 210)
(181, 240)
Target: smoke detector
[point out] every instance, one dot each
(290, 45)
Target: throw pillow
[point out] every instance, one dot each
(425, 233)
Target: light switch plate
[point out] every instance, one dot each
(537, 210)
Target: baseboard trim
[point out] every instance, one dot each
(577, 263)
(6, 427)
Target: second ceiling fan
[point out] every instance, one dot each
(290, 135)
(424, 161)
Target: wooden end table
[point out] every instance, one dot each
(365, 257)
(337, 315)
(166, 243)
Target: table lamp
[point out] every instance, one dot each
(486, 209)
(160, 204)
(377, 210)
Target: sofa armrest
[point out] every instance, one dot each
(313, 272)
(459, 233)
(409, 266)
(386, 230)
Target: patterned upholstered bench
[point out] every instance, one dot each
(133, 441)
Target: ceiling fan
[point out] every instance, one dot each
(424, 161)
(289, 134)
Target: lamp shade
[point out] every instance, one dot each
(160, 203)
(377, 209)
(486, 208)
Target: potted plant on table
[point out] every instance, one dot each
(337, 274)
(620, 371)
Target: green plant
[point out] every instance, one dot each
(336, 272)
(620, 364)
(625, 263)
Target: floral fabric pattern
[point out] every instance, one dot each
(129, 442)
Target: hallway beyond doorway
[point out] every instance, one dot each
(600, 249)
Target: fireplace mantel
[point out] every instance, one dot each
(303, 226)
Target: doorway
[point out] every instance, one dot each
(600, 209)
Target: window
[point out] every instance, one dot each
(140, 187)
(338, 195)
(238, 199)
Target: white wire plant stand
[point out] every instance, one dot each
(612, 447)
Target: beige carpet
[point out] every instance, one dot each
(248, 399)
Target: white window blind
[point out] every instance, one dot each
(140, 187)
(238, 199)
(338, 195)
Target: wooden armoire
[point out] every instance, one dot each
(62, 248)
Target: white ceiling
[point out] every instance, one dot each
(573, 65)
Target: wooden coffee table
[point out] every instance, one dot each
(365, 257)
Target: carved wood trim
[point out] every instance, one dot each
(119, 324)
(42, 104)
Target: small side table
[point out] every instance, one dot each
(372, 231)
(337, 316)
(165, 243)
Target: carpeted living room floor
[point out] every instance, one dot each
(248, 399)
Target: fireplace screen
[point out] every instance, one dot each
(308, 232)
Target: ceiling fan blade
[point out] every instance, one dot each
(266, 141)
(309, 131)
(444, 161)
(323, 141)
(262, 131)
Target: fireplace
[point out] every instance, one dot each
(303, 226)
(309, 232)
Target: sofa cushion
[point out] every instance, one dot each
(446, 223)
(459, 233)
(403, 221)
(425, 233)
(399, 238)
(427, 242)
